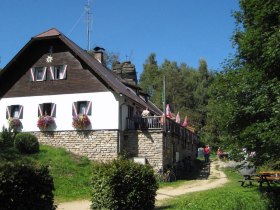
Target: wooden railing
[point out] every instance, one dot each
(142, 123)
(157, 122)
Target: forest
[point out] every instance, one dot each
(238, 107)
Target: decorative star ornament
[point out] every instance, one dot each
(49, 59)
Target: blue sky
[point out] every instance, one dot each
(177, 30)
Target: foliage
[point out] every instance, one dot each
(122, 184)
(186, 88)
(71, 174)
(14, 123)
(44, 122)
(243, 109)
(6, 138)
(26, 143)
(80, 122)
(25, 187)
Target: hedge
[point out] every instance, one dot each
(25, 187)
(122, 184)
(27, 143)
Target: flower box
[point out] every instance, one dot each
(44, 122)
(80, 122)
(14, 123)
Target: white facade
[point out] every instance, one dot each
(104, 110)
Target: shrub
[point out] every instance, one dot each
(26, 143)
(122, 184)
(6, 138)
(25, 187)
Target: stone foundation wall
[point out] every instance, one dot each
(172, 145)
(158, 149)
(96, 145)
(147, 144)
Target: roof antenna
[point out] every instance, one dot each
(88, 19)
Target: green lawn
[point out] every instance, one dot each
(72, 179)
(71, 173)
(230, 197)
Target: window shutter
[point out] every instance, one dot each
(8, 112)
(64, 72)
(40, 110)
(51, 69)
(20, 116)
(74, 109)
(88, 111)
(44, 74)
(53, 113)
(32, 76)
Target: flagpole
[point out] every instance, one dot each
(164, 104)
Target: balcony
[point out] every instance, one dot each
(157, 123)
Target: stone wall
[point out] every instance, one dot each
(158, 149)
(96, 145)
(175, 149)
(147, 144)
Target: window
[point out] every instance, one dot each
(14, 111)
(47, 109)
(58, 72)
(38, 74)
(81, 107)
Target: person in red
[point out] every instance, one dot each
(206, 151)
(219, 153)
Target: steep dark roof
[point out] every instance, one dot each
(106, 76)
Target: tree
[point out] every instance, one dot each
(186, 88)
(244, 99)
(151, 79)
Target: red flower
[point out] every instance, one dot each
(44, 122)
(80, 122)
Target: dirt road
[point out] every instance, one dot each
(216, 179)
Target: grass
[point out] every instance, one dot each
(176, 184)
(71, 173)
(72, 178)
(230, 196)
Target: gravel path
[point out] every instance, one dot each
(216, 179)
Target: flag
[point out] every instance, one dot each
(178, 120)
(168, 112)
(185, 123)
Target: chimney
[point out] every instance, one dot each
(98, 54)
(127, 71)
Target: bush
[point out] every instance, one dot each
(122, 184)
(25, 187)
(6, 138)
(27, 143)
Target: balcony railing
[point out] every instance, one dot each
(143, 123)
(157, 123)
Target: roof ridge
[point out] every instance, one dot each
(51, 32)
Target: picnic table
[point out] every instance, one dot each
(268, 177)
(247, 178)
